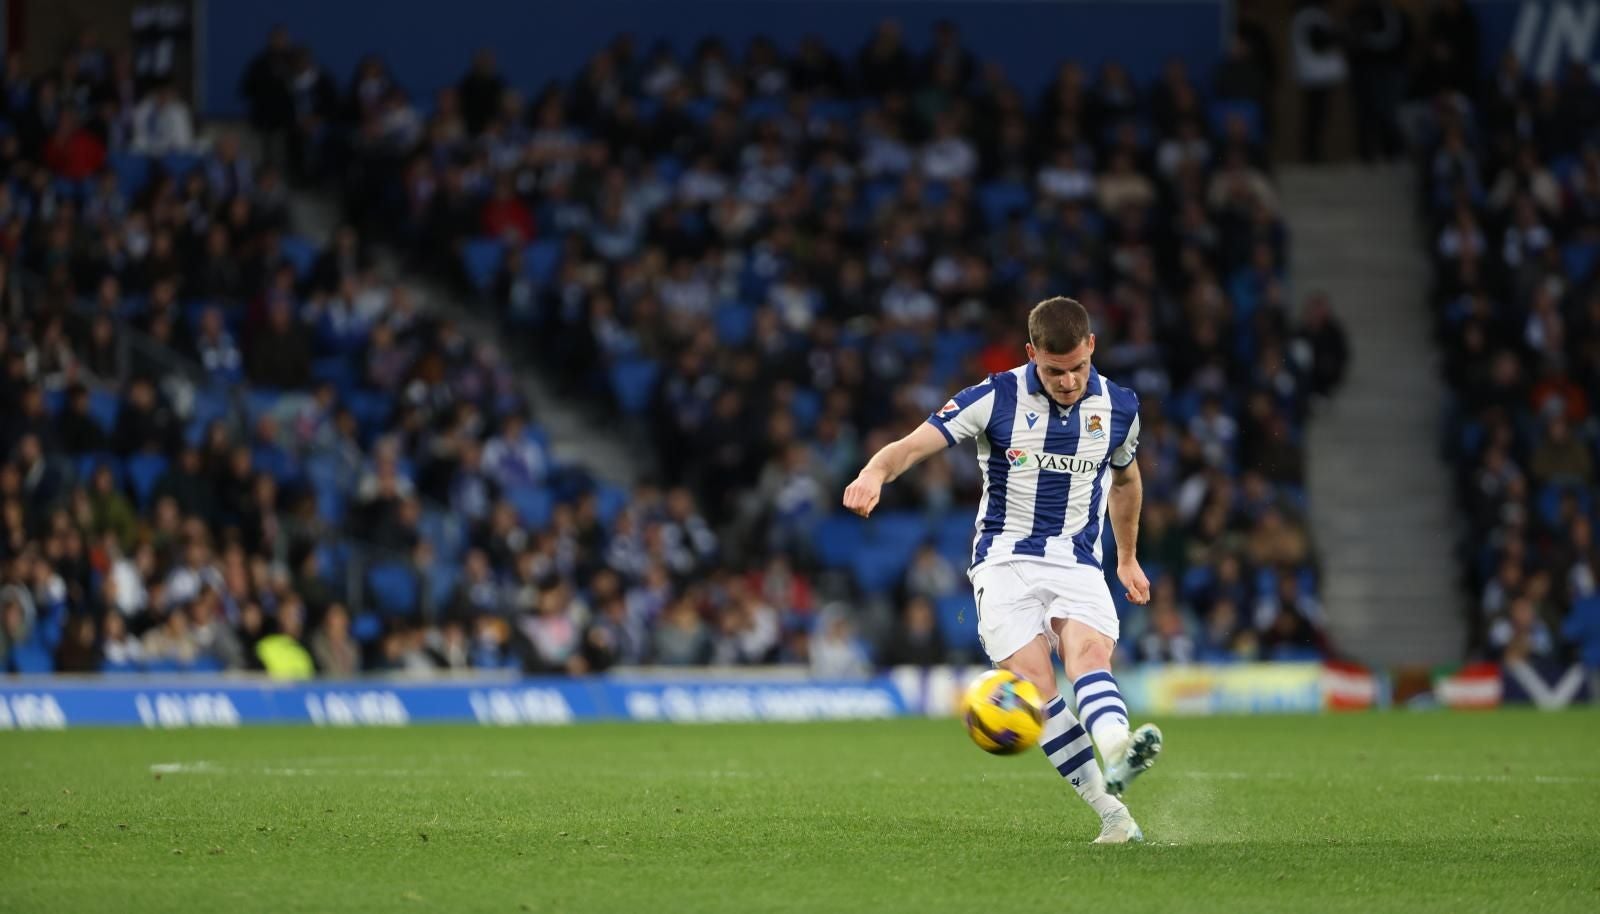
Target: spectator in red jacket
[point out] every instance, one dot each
(503, 214)
(72, 150)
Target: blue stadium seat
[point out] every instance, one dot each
(333, 561)
(104, 406)
(1248, 111)
(132, 172)
(734, 324)
(445, 531)
(481, 259)
(958, 621)
(1579, 259)
(442, 578)
(833, 109)
(337, 370)
(877, 567)
(612, 501)
(179, 164)
(836, 537)
(211, 403)
(542, 259)
(633, 383)
(955, 532)
(393, 588)
(32, 658)
(54, 400)
(87, 464)
(300, 252)
(534, 505)
(806, 407)
(763, 107)
(144, 471)
(366, 627)
(261, 401)
(371, 409)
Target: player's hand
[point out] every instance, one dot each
(861, 496)
(1132, 577)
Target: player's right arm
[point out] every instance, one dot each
(892, 460)
(964, 416)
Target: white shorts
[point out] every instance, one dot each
(1018, 600)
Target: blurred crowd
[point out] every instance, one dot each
(1512, 186)
(238, 448)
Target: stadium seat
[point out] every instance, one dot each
(445, 532)
(958, 622)
(132, 172)
(1579, 259)
(371, 410)
(442, 578)
(87, 464)
(366, 627)
(261, 401)
(877, 567)
(300, 252)
(393, 589)
(337, 370)
(1248, 111)
(481, 259)
(805, 408)
(104, 405)
(633, 383)
(534, 505)
(144, 472)
(179, 164)
(542, 259)
(734, 323)
(836, 537)
(612, 501)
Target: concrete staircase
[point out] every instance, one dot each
(1382, 510)
(597, 443)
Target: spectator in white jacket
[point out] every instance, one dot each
(162, 123)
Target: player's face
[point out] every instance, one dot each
(1065, 376)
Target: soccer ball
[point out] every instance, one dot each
(1003, 712)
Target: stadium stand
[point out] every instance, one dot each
(767, 266)
(1512, 186)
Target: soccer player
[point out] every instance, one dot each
(1050, 435)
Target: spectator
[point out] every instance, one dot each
(161, 123)
(915, 640)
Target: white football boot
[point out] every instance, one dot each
(1119, 828)
(1136, 760)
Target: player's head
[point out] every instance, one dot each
(1059, 345)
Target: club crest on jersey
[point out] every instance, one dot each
(950, 408)
(1018, 458)
(1095, 431)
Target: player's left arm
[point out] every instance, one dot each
(1127, 498)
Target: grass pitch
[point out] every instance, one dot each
(1393, 812)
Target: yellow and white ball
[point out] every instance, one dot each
(1002, 712)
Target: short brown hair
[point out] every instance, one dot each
(1058, 325)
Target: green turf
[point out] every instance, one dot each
(1398, 812)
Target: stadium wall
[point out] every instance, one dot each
(429, 44)
(706, 697)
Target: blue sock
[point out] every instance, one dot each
(1067, 746)
(1104, 715)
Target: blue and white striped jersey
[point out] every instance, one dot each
(1046, 468)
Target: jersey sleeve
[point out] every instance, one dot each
(1128, 449)
(966, 414)
(1124, 414)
